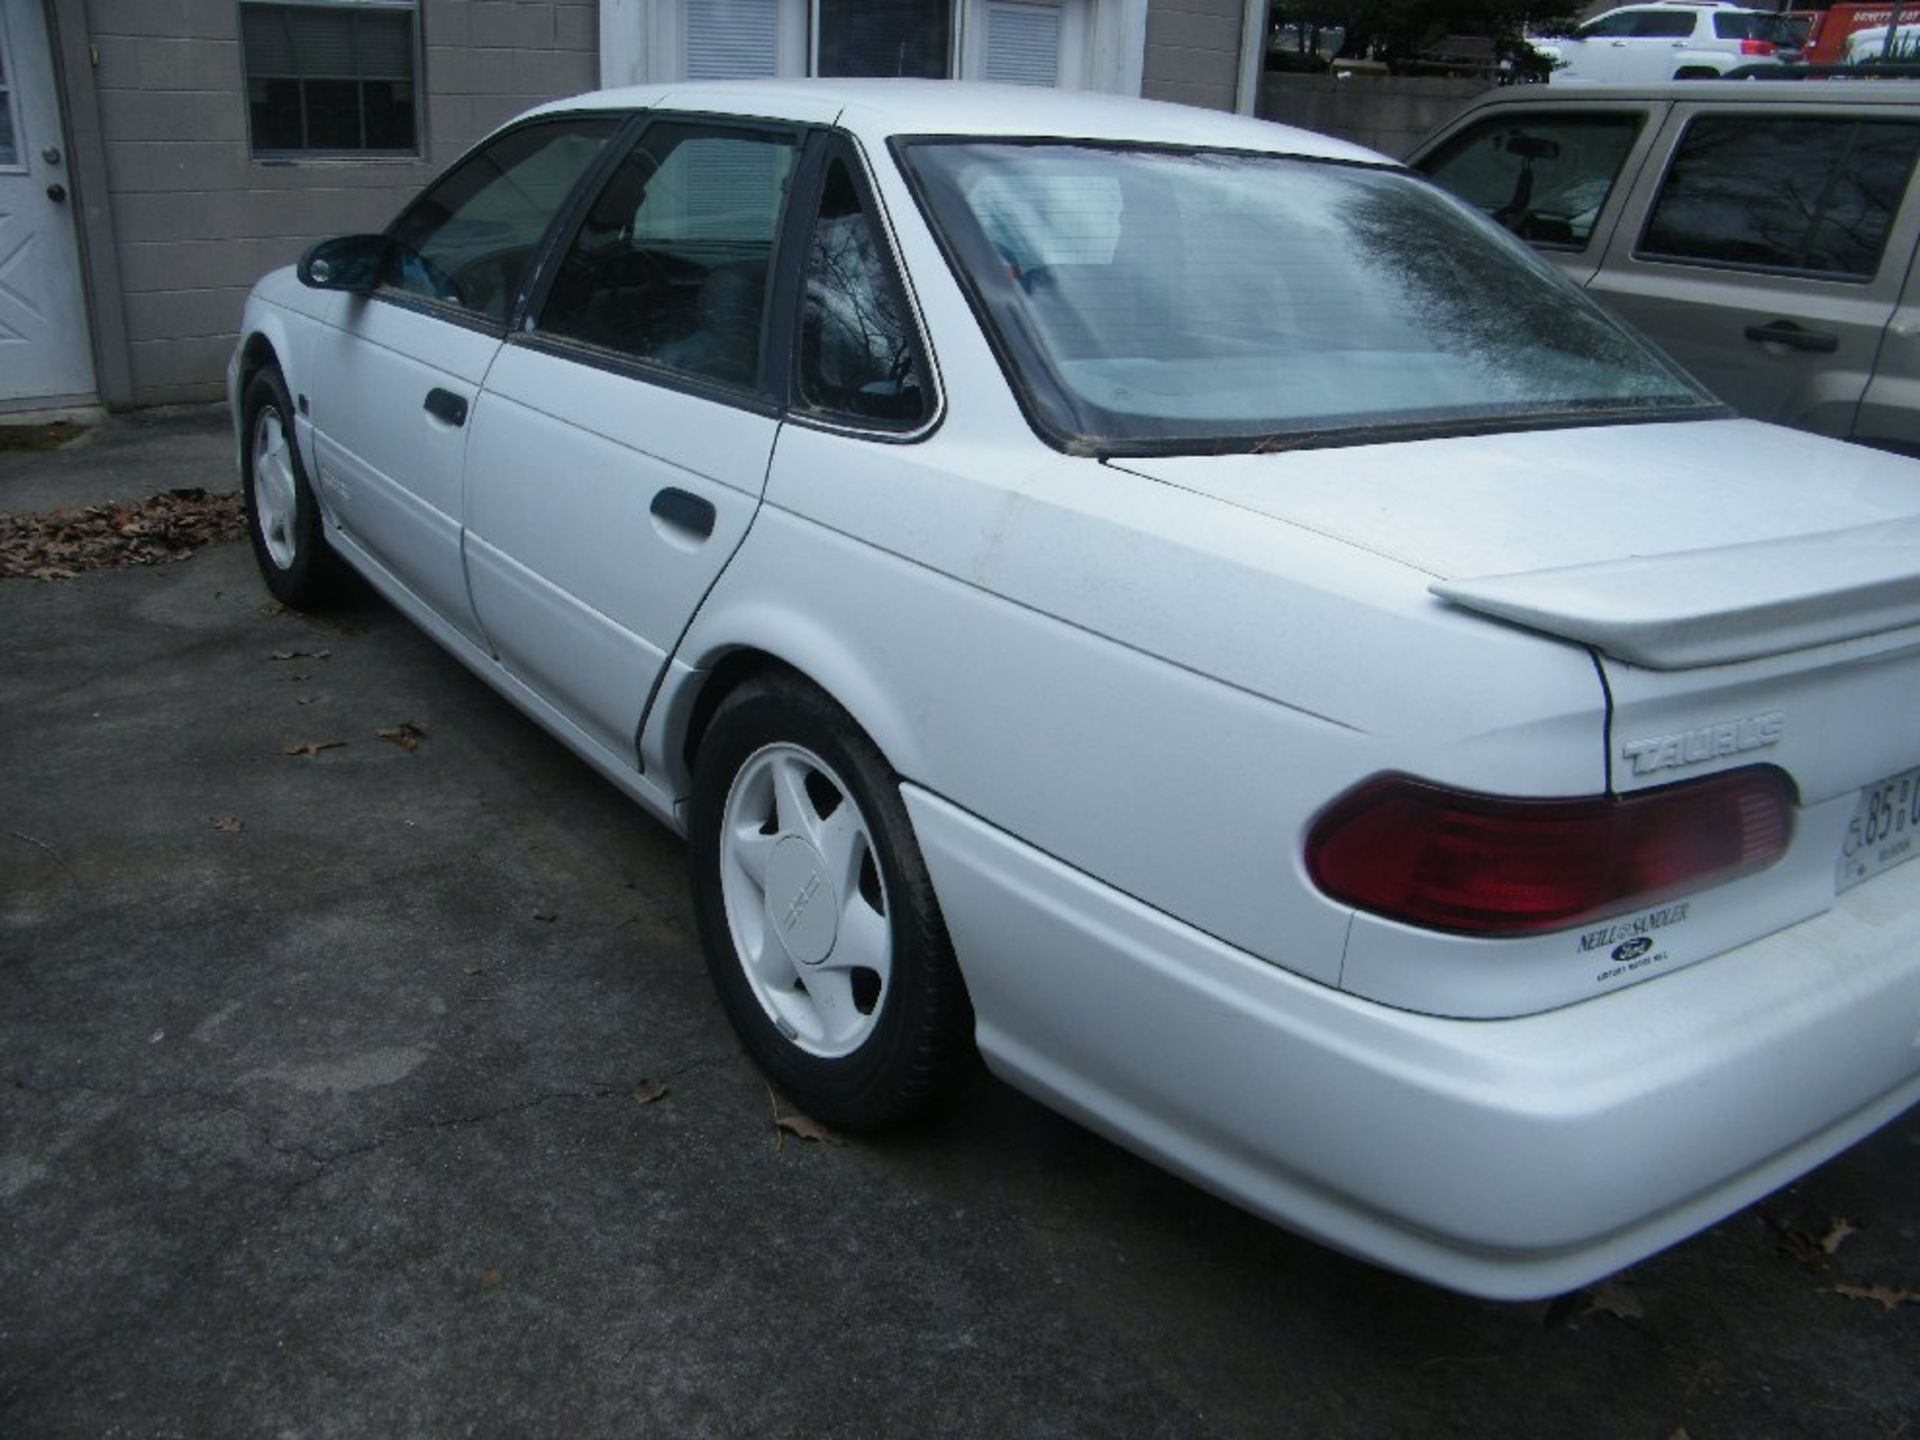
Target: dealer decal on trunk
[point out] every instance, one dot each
(1630, 943)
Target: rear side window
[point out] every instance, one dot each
(1809, 196)
(670, 264)
(1545, 178)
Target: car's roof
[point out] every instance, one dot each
(878, 109)
(1757, 91)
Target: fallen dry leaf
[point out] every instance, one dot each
(648, 1091)
(406, 735)
(300, 655)
(1837, 1234)
(494, 1279)
(60, 544)
(1885, 1296)
(313, 747)
(804, 1127)
(1610, 1297)
(230, 824)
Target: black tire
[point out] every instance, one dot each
(283, 523)
(911, 1030)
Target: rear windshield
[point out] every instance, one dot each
(1154, 300)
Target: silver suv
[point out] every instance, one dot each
(1675, 40)
(1762, 234)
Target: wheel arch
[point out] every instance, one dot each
(256, 354)
(762, 639)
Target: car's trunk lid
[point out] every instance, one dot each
(1471, 508)
(1753, 593)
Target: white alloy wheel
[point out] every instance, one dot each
(276, 500)
(805, 901)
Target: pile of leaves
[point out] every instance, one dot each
(61, 544)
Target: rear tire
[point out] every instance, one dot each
(283, 518)
(819, 921)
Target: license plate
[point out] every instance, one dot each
(1885, 829)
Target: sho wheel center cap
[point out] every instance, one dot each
(800, 901)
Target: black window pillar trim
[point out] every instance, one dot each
(567, 219)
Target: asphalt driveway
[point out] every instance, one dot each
(359, 1075)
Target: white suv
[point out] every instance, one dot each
(1675, 40)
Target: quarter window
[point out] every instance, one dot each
(469, 239)
(1546, 178)
(857, 356)
(327, 78)
(1815, 197)
(670, 264)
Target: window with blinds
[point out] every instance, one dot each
(1023, 43)
(331, 78)
(732, 39)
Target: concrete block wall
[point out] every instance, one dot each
(1389, 113)
(1193, 51)
(195, 219)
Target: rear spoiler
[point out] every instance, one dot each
(1713, 607)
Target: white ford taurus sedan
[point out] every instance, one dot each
(1178, 603)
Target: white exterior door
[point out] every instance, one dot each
(45, 354)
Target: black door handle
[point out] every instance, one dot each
(447, 406)
(1785, 332)
(684, 511)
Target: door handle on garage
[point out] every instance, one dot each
(1785, 332)
(684, 511)
(447, 406)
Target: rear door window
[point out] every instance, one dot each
(1546, 178)
(1662, 25)
(670, 265)
(1795, 194)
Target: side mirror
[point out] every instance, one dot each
(347, 262)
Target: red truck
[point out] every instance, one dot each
(1827, 39)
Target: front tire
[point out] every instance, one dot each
(819, 921)
(283, 518)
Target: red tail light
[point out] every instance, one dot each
(1485, 865)
(1757, 47)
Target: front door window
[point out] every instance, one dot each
(468, 240)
